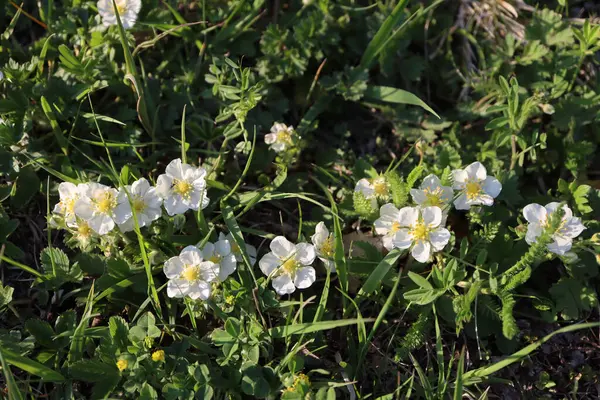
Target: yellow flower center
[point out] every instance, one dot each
(380, 187)
(229, 299)
(83, 230)
(122, 364)
(327, 248)
(182, 188)
(434, 197)
(395, 227)
(121, 6)
(473, 189)
(191, 273)
(68, 205)
(106, 202)
(289, 266)
(284, 136)
(215, 258)
(139, 205)
(420, 232)
(158, 355)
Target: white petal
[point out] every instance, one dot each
(269, 263)
(173, 268)
(388, 212)
(534, 230)
(560, 245)
(382, 227)
(191, 255)
(152, 199)
(439, 238)
(177, 287)
(408, 216)
(67, 190)
(251, 251)
(534, 213)
(223, 247)
(174, 169)
(152, 214)
(447, 194)
(460, 178)
(209, 271)
(418, 196)
(122, 212)
(552, 207)
(199, 290)
(305, 277)
(278, 146)
(572, 228)
(484, 199)
(388, 242)
(270, 138)
(101, 224)
(431, 182)
(227, 267)
(476, 171)
(175, 205)
(305, 253)
(365, 187)
(84, 208)
(208, 250)
(163, 186)
(432, 216)
(402, 239)
(140, 187)
(282, 247)
(421, 251)
(461, 202)
(283, 285)
(492, 186)
(321, 234)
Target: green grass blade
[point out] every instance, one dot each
(238, 238)
(374, 280)
(279, 332)
(13, 390)
(458, 385)
(389, 94)
(33, 367)
(378, 42)
(76, 348)
(476, 375)
(58, 134)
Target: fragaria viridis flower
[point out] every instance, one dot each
(235, 249)
(182, 187)
(146, 203)
(432, 193)
(220, 254)
(570, 227)
(373, 189)
(281, 137)
(190, 275)
(128, 12)
(324, 245)
(289, 265)
(418, 229)
(101, 207)
(69, 193)
(475, 187)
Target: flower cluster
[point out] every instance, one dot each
(421, 229)
(193, 271)
(89, 208)
(289, 265)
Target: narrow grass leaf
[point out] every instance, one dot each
(33, 367)
(279, 332)
(13, 390)
(389, 94)
(374, 280)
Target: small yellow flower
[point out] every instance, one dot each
(122, 364)
(158, 355)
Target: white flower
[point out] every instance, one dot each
(475, 186)
(324, 245)
(235, 249)
(189, 275)
(128, 12)
(220, 254)
(101, 207)
(420, 231)
(281, 137)
(69, 193)
(289, 264)
(182, 187)
(388, 224)
(146, 204)
(373, 189)
(431, 193)
(82, 232)
(570, 227)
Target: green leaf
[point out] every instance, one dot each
(41, 331)
(233, 327)
(148, 392)
(419, 280)
(572, 297)
(254, 382)
(397, 96)
(33, 367)
(13, 390)
(6, 295)
(423, 296)
(119, 331)
(496, 123)
(93, 371)
(298, 329)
